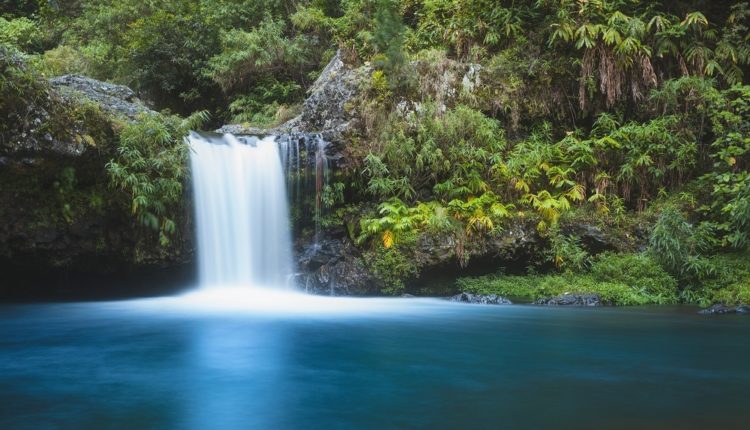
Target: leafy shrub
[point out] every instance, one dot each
(256, 55)
(21, 90)
(20, 33)
(63, 60)
(392, 267)
(637, 271)
(620, 279)
(150, 166)
(31, 107)
(729, 282)
(566, 252)
(734, 294)
(677, 245)
(507, 286)
(614, 293)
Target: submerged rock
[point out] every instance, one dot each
(483, 299)
(572, 300)
(719, 309)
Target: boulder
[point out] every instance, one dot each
(572, 300)
(483, 299)
(117, 100)
(721, 309)
(326, 110)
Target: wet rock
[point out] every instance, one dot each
(572, 300)
(252, 131)
(483, 299)
(116, 99)
(333, 267)
(720, 309)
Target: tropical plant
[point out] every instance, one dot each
(150, 167)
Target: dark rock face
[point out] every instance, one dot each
(592, 237)
(57, 209)
(116, 99)
(325, 109)
(719, 309)
(517, 242)
(333, 267)
(482, 299)
(572, 300)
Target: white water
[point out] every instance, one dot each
(242, 214)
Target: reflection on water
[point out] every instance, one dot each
(202, 363)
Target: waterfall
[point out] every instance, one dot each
(308, 174)
(242, 213)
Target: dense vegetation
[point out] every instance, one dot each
(477, 115)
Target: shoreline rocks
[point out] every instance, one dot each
(720, 309)
(480, 299)
(580, 300)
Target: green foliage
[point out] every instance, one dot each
(728, 180)
(33, 110)
(392, 266)
(432, 153)
(20, 91)
(465, 26)
(264, 51)
(20, 33)
(481, 214)
(620, 279)
(639, 272)
(165, 52)
(398, 221)
(615, 293)
(150, 167)
(566, 252)
(678, 245)
(519, 287)
(727, 282)
(63, 60)
(388, 41)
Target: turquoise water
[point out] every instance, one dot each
(159, 364)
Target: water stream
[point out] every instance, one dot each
(242, 214)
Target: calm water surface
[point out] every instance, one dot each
(379, 364)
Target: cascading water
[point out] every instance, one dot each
(242, 213)
(306, 179)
